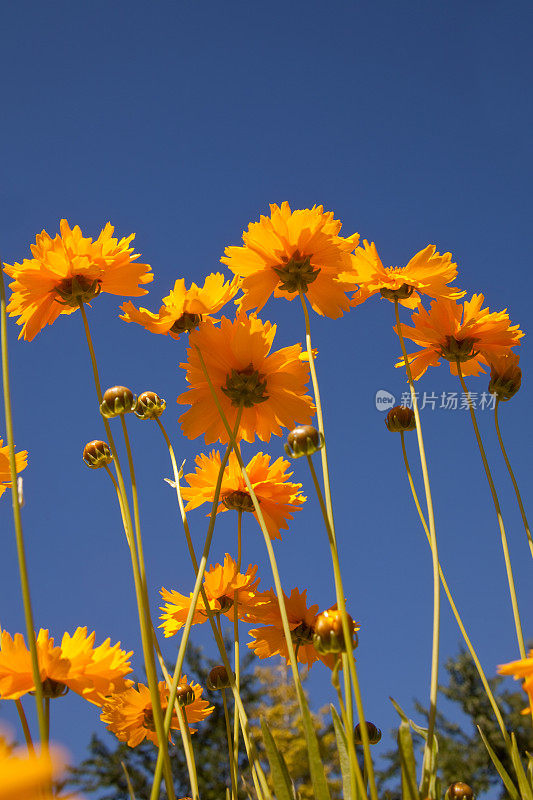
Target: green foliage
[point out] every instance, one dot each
(462, 754)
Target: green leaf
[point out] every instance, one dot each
(316, 768)
(130, 787)
(523, 784)
(344, 758)
(504, 775)
(407, 762)
(278, 768)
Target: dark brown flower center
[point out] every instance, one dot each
(246, 387)
(148, 719)
(53, 688)
(76, 290)
(303, 634)
(238, 501)
(458, 349)
(296, 273)
(405, 291)
(186, 323)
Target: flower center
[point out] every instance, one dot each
(303, 634)
(53, 688)
(186, 323)
(148, 719)
(225, 604)
(76, 290)
(296, 273)
(405, 291)
(458, 349)
(238, 501)
(245, 386)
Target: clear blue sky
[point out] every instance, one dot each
(182, 121)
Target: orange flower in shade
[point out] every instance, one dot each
(466, 332)
(428, 272)
(21, 462)
(505, 375)
(270, 640)
(271, 386)
(184, 309)
(290, 250)
(224, 585)
(522, 669)
(91, 672)
(278, 498)
(68, 270)
(130, 717)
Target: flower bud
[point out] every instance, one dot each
(185, 694)
(117, 400)
(218, 679)
(400, 418)
(374, 733)
(149, 406)
(505, 377)
(304, 441)
(329, 634)
(459, 791)
(97, 454)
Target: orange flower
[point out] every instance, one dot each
(224, 586)
(428, 272)
(270, 640)
(466, 332)
(90, 672)
(271, 386)
(130, 717)
(68, 270)
(505, 375)
(522, 669)
(27, 777)
(184, 309)
(278, 498)
(21, 462)
(291, 250)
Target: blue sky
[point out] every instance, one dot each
(182, 121)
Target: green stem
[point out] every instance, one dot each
(237, 660)
(25, 727)
(47, 717)
(232, 766)
(511, 473)
(455, 611)
(434, 681)
(510, 578)
(146, 632)
(356, 779)
(148, 643)
(19, 536)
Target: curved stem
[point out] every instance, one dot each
(25, 727)
(456, 614)
(511, 473)
(434, 681)
(510, 578)
(19, 536)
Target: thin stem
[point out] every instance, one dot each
(25, 727)
(348, 636)
(17, 519)
(428, 749)
(510, 578)
(355, 770)
(455, 611)
(232, 766)
(237, 659)
(511, 473)
(47, 717)
(151, 672)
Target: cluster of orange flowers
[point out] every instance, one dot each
(289, 254)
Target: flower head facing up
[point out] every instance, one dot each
(270, 386)
(76, 664)
(71, 269)
(460, 332)
(21, 462)
(270, 640)
(129, 715)
(224, 586)
(505, 376)
(278, 498)
(428, 272)
(183, 309)
(293, 250)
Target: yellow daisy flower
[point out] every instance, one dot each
(21, 462)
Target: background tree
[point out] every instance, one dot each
(462, 754)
